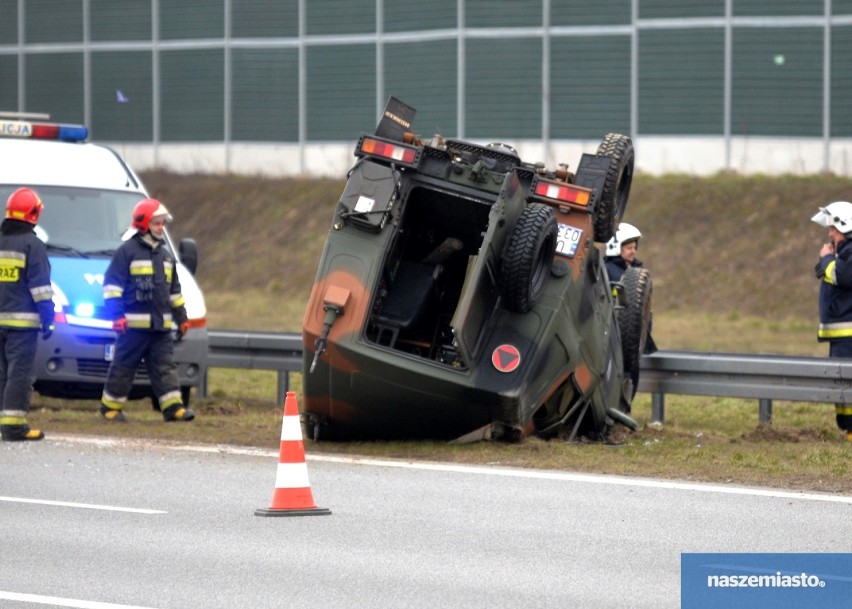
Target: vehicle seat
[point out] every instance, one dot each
(411, 293)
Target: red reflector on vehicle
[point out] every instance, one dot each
(388, 151)
(562, 192)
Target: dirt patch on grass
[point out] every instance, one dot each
(768, 433)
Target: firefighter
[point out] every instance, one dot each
(619, 256)
(143, 298)
(26, 307)
(834, 270)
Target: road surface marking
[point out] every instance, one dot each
(88, 506)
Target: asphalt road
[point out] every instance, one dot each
(109, 525)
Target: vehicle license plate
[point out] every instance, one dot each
(567, 239)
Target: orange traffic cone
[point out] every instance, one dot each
(292, 495)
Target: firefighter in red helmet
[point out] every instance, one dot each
(26, 307)
(143, 297)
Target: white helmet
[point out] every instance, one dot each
(625, 234)
(837, 214)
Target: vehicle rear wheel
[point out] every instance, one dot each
(635, 318)
(616, 190)
(527, 258)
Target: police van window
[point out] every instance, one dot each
(82, 221)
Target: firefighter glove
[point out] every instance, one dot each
(46, 331)
(120, 325)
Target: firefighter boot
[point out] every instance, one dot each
(178, 412)
(20, 433)
(112, 414)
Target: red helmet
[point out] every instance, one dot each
(24, 204)
(147, 209)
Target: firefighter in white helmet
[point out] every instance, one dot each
(621, 255)
(834, 270)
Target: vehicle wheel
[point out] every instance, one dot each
(634, 319)
(616, 190)
(527, 258)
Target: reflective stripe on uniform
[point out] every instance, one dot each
(138, 320)
(842, 329)
(113, 291)
(830, 276)
(141, 267)
(169, 399)
(13, 413)
(112, 402)
(177, 300)
(11, 258)
(20, 320)
(4, 420)
(42, 292)
(168, 268)
(843, 410)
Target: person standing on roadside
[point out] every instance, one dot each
(834, 270)
(26, 307)
(619, 256)
(143, 298)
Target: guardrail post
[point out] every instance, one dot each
(283, 385)
(658, 407)
(765, 410)
(201, 390)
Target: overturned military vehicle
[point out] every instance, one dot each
(460, 295)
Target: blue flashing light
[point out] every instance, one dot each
(84, 309)
(73, 133)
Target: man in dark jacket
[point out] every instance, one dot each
(26, 306)
(143, 297)
(619, 256)
(834, 270)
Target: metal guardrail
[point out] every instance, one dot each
(761, 377)
(255, 351)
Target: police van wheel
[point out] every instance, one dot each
(527, 258)
(634, 319)
(616, 190)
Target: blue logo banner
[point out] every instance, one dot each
(765, 581)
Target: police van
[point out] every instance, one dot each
(88, 192)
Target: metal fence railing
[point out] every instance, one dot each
(761, 377)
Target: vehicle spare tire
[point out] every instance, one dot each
(527, 258)
(616, 190)
(635, 318)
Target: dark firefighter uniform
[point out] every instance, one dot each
(835, 312)
(141, 285)
(26, 307)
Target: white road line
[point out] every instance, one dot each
(88, 506)
(56, 601)
(487, 471)
(588, 478)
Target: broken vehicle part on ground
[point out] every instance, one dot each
(460, 294)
